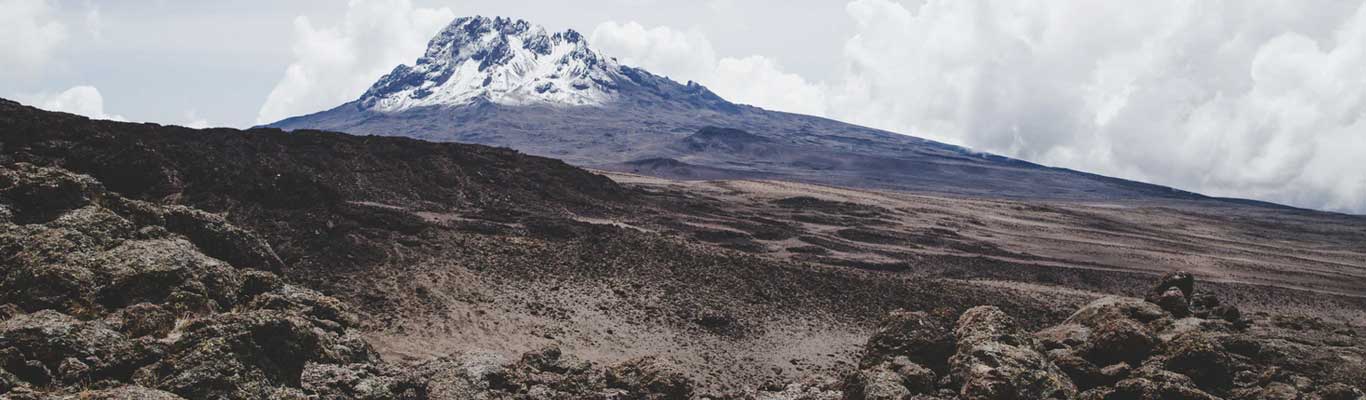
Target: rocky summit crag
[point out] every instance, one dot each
(500, 61)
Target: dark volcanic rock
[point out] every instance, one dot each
(321, 310)
(920, 337)
(355, 381)
(188, 295)
(891, 380)
(249, 355)
(128, 393)
(8, 311)
(132, 270)
(10, 382)
(165, 271)
(1115, 348)
(144, 319)
(56, 287)
(1173, 302)
(1173, 293)
(211, 233)
(1157, 385)
(1119, 340)
(36, 347)
(1339, 391)
(649, 379)
(1180, 280)
(1203, 358)
(35, 195)
(997, 360)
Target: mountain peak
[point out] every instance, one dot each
(501, 60)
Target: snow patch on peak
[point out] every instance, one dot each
(499, 60)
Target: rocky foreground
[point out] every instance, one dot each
(104, 297)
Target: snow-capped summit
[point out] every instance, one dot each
(509, 83)
(501, 60)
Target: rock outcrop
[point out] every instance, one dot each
(998, 360)
(144, 301)
(1176, 343)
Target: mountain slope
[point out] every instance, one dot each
(463, 258)
(508, 83)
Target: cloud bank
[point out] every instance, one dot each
(1261, 99)
(29, 33)
(689, 56)
(80, 100)
(334, 65)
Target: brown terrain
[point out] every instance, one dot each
(142, 261)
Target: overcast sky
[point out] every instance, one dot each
(1260, 99)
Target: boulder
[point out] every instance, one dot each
(9, 310)
(144, 319)
(1173, 293)
(1272, 391)
(1150, 383)
(1206, 305)
(997, 360)
(1114, 373)
(249, 354)
(465, 376)
(1083, 373)
(321, 310)
(36, 346)
(35, 194)
(649, 378)
(350, 381)
(809, 388)
(94, 226)
(255, 283)
(65, 288)
(72, 371)
(552, 359)
(1340, 391)
(920, 337)
(1201, 357)
(893, 379)
(9, 382)
(876, 383)
(211, 232)
(1063, 336)
(127, 393)
(1118, 340)
(1172, 301)
(219, 239)
(171, 272)
(1114, 307)
(1108, 330)
(1180, 280)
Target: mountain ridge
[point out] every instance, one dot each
(481, 66)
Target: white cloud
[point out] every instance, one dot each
(94, 23)
(761, 81)
(333, 65)
(1261, 99)
(193, 120)
(80, 100)
(683, 56)
(29, 33)
(662, 50)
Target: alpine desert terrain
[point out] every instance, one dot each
(157, 262)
